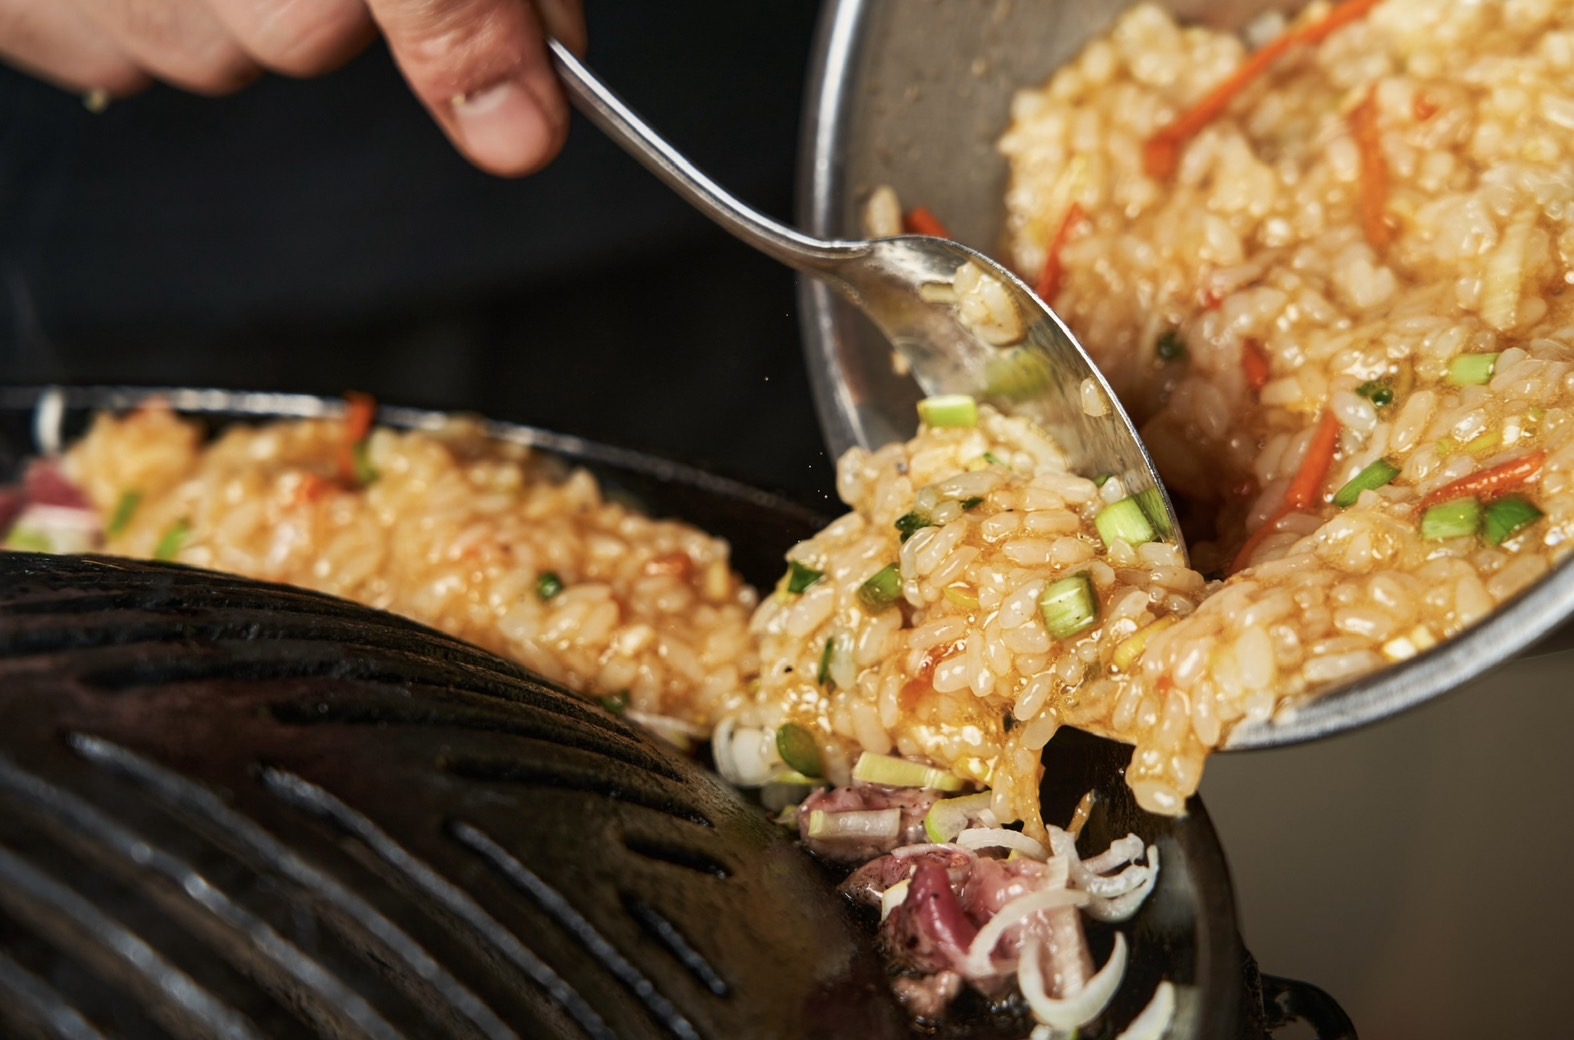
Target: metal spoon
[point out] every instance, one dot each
(904, 285)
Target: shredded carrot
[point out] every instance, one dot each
(1374, 171)
(1424, 107)
(1306, 490)
(1048, 283)
(920, 221)
(1161, 153)
(309, 490)
(359, 411)
(679, 564)
(1249, 550)
(935, 654)
(1306, 487)
(1254, 361)
(1490, 483)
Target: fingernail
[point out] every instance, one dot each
(502, 128)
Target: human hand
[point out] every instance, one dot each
(479, 66)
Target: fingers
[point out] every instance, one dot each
(57, 42)
(297, 37)
(481, 68)
(179, 41)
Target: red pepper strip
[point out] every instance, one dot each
(1048, 283)
(1255, 363)
(1490, 483)
(1374, 171)
(922, 222)
(1306, 488)
(359, 411)
(1161, 153)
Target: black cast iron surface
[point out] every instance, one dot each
(234, 810)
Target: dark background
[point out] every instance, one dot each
(322, 236)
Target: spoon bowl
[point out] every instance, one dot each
(1017, 356)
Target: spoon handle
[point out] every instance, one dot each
(601, 106)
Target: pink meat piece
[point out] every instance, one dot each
(992, 883)
(868, 883)
(914, 802)
(44, 484)
(929, 931)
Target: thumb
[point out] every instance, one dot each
(481, 68)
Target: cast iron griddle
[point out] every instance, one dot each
(230, 809)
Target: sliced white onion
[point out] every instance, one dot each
(978, 963)
(856, 824)
(893, 897)
(1001, 838)
(922, 847)
(1153, 1020)
(1108, 886)
(1078, 1009)
(1120, 852)
(64, 529)
(1121, 907)
(745, 755)
(1058, 872)
(721, 749)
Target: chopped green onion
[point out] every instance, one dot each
(1379, 391)
(902, 772)
(1506, 517)
(799, 749)
(855, 824)
(1453, 519)
(1016, 376)
(1069, 606)
(823, 676)
(1484, 443)
(882, 590)
(993, 459)
(170, 545)
(800, 578)
(1102, 479)
(125, 509)
(949, 816)
(1151, 502)
(948, 410)
(548, 585)
(1129, 649)
(961, 595)
(969, 504)
(361, 458)
(1471, 369)
(1170, 347)
(911, 523)
(616, 703)
(28, 539)
(1372, 477)
(1124, 521)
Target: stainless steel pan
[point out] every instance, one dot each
(914, 93)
